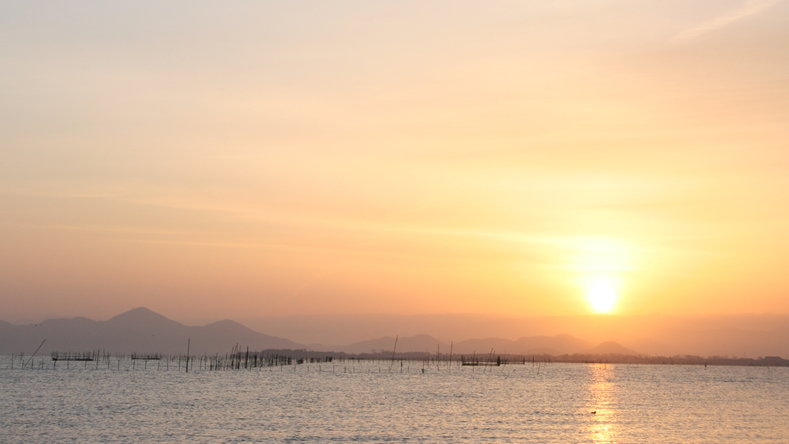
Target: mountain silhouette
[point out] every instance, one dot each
(528, 345)
(142, 317)
(139, 330)
(611, 348)
(418, 343)
(554, 345)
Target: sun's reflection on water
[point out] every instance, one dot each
(601, 404)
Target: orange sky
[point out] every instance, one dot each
(221, 161)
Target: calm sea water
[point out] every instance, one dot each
(369, 402)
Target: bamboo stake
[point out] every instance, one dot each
(34, 353)
(393, 353)
(450, 355)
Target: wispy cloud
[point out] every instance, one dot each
(749, 8)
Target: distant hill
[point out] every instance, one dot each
(611, 348)
(554, 345)
(740, 335)
(528, 345)
(418, 343)
(138, 330)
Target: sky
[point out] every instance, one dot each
(220, 160)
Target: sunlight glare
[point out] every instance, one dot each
(601, 293)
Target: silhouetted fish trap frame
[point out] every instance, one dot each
(152, 357)
(73, 356)
(475, 361)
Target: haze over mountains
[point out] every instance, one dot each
(144, 331)
(749, 335)
(537, 345)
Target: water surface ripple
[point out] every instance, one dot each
(381, 402)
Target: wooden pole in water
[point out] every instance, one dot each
(188, 344)
(34, 353)
(450, 355)
(393, 353)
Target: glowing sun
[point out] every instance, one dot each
(601, 294)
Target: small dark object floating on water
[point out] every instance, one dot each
(594, 412)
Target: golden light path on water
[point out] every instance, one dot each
(602, 428)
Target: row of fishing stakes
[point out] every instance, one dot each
(234, 360)
(240, 360)
(237, 359)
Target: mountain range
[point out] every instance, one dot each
(536, 345)
(144, 331)
(139, 330)
(733, 335)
